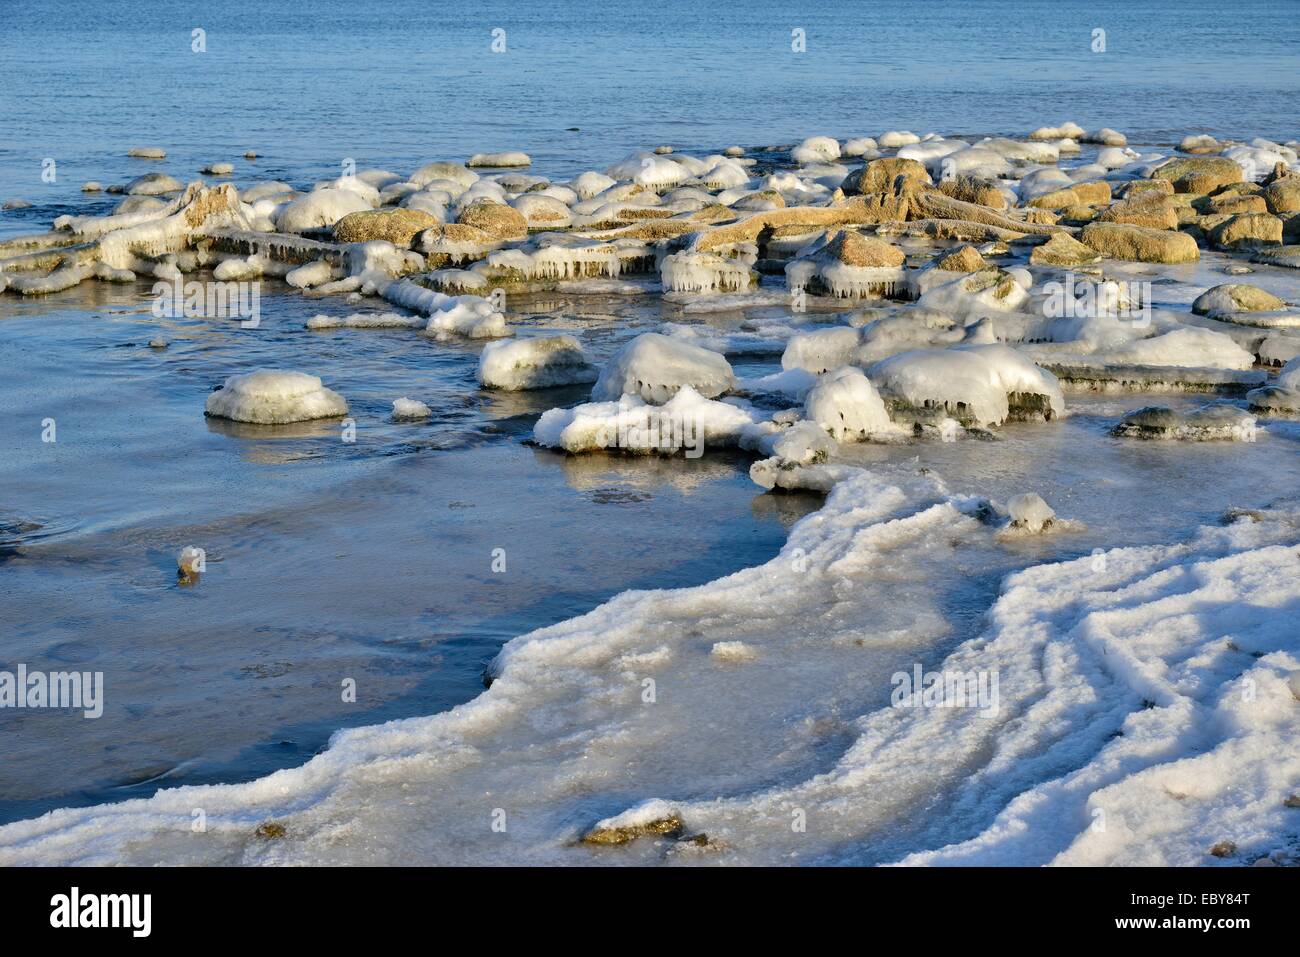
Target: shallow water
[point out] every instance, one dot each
(370, 560)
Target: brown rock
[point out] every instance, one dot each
(1139, 244)
(495, 219)
(1199, 174)
(397, 226)
(879, 175)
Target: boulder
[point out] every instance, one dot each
(1139, 244)
(1200, 174)
(398, 226)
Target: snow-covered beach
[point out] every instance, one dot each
(1028, 405)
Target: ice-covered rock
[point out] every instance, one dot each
(692, 271)
(319, 210)
(410, 410)
(983, 384)
(654, 367)
(500, 160)
(1030, 512)
(534, 363)
(685, 423)
(1235, 297)
(274, 397)
(847, 264)
(1216, 421)
(822, 349)
(847, 405)
(1280, 397)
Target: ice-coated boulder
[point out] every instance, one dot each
(274, 397)
(535, 363)
(654, 367)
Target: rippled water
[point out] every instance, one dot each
(407, 82)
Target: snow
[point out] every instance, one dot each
(1144, 712)
(655, 366)
(406, 409)
(974, 382)
(273, 397)
(686, 422)
(847, 405)
(534, 363)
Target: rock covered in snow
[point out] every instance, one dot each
(847, 405)
(410, 410)
(655, 366)
(534, 363)
(983, 385)
(273, 397)
(1218, 420)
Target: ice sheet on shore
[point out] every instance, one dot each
(1145, 687)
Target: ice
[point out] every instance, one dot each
(685, 423)
(406, 409)
(983, 384)
(471, 316)
(654, 367)
(319, 210)
(274, 397)
(1217, 421)
(582, 731)
(689, 271)
(534, 363)
(367, 320)
(1030, 512)
(847, 405)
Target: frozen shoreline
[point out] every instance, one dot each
(1121, 683)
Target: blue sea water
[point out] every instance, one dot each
(398, 84)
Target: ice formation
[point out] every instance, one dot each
(534, 363)
(410, 410)
(981, 384)
(688, 422)
(847, 405)
(1122, 680)
(654, 367)
(1030, 512)
(273, 397)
